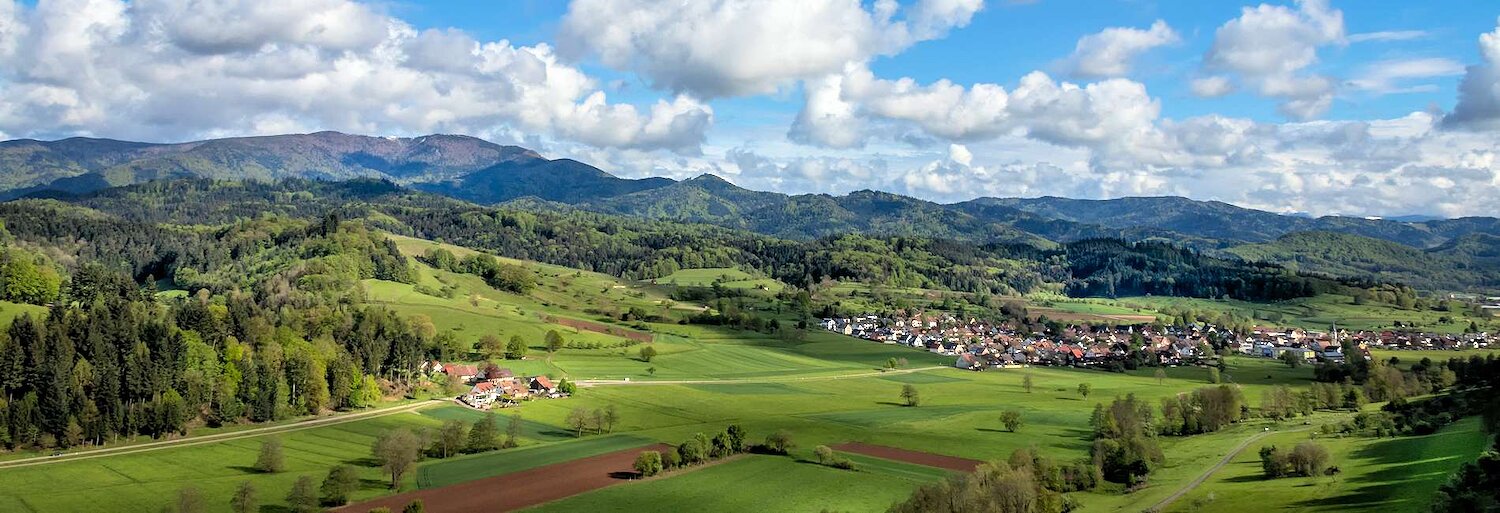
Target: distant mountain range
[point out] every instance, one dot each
(477, 171)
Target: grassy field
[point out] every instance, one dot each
(1387, 475)
(727, 277)
(800, 382)
(1319, 313)
(10, 311)
(1438, 356)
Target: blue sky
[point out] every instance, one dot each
(1320, 106)
(1006, 40)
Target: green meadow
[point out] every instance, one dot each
(1387, 475)
(821, 387)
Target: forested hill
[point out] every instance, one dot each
(81, 165)
(1471, 262)
(465, 171)
(165, 220)
(481, 172)
(1216, 220)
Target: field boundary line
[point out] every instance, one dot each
(215, 438)
(618, 382)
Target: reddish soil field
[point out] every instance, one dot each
(917, 457)
(601, 328)
(520, 489)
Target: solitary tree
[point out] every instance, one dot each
(1011, 419)
(1027, 383)
(611, 416)
(396, 451)
(578, 419)
(647, 353)
(1161, 375)
(304, 496)
(779, 442)
(648, 463)
(451, 438)
(271, 459)
(189, 500)
(491, 346)
(244, 499)
(484, 436)
(891, 363)
(516, 348)
(909, 395)
(513, 431)
(341, 482)
(1084, 389)
(554, 341)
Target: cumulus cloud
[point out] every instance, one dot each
(1479, 91)
(1270, 47)
(1211, 87)
(182, 69)
(1109, 53)
(718, 48)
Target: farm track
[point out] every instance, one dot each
(215, 438)
(1196, 482)
(618, 382)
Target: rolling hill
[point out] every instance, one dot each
(1471, 262)
(455, 170)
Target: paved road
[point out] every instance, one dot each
(208, 439)
(1192, 485)
(613, 382)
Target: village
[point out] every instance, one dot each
(978, 344)
(492, 386)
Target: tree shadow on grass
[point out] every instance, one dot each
(992, 430)
(274, 508)
(245, 469)
(366, 461)
(1249, 478)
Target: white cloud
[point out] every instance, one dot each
(1479, 92)
(1211, 87)
(717, 48)
(1387, 35)
(1387, 77)
(1109, 53)
(178, 69)
(1270, 47)
(960, 154)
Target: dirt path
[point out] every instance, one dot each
(614, 382)
(953, 463)
(1192, 485)
(208, 439)
(518, 490)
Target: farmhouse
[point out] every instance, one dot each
(465, 373)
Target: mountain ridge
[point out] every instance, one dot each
(478, 171)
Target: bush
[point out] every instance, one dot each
(779, 442)
(649, 463)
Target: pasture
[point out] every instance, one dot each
(1387, 475)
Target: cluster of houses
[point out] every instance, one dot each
(495, 386)
(978, 344)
